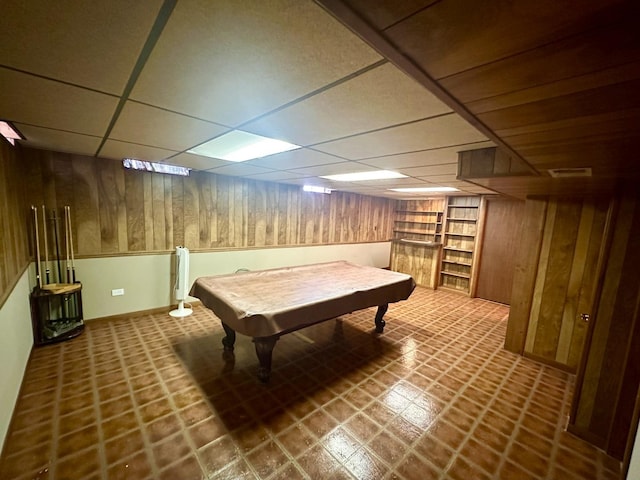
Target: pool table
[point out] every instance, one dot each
(267, 304)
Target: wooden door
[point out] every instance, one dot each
(562, 277)
(502, 226)
(608, 379)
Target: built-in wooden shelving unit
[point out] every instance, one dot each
(459, 231)
(434, 240)
(419, 220)
(417, 240)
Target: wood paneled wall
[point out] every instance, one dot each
(501, 240)
(118, 211)
(607, 385)
(417, 259)
(14, 220)
(555, 278)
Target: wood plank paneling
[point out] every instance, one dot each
(607, 384)
(419, 261)
(108, 207)
(134, 203)
(122, 211)
(555, 278)
(502, 235)
(14, 219)
(455, 45)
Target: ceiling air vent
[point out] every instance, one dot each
(570, 172)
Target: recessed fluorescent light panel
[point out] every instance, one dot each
(133, 164)
(425, 189)
(9, 132)
(239, 146)
(363, 176)
(315, 189)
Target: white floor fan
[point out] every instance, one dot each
(181, 286)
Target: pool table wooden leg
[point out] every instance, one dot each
(229, 341)
(380, 323)
(264, 350)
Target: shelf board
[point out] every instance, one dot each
(454, 289)
(428, 243)
(444, 260)
(455, 274)
(419, 232)
(460, 234)
(456, 249)
(419, 223)
(463, 206)
(455, 219)
(423, 212)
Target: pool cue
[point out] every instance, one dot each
(35, 223)
(73, 262)
(46, 245)
(66, 243)
(55, 234)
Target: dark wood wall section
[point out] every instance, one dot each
(118, 211)
(14, 220)
(607, 384)
(555, 278)
(501, 240)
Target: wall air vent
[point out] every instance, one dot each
(570, 172)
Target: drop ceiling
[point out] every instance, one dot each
(359, 85)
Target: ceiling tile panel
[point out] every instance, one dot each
(333, 169)
(276, 176)
(58, 140)
(229, 62)
(427, 157)
(45, 103)
(445, 169)
(147, 125)
(116, 149)
(378, 98)
(93, 44)
(432, 133)
(197, 162)
(239, 169)
(383, 13)
(299, 158)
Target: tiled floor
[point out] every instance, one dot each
(435, 396)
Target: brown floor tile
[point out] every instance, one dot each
(137, 467)
(266, 459)
(121, 447)
(435, 396)
(413, 467)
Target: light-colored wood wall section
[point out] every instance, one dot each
(419, 219)
(554, 278)
(119, 211)
(15, 225)
(419, 259)
(460, 228)
(417, 246)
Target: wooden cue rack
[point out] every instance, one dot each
(56, 299)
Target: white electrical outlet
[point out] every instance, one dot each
(117, 291)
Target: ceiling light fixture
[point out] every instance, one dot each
(239, 146)
(9, 132)
(315, 189)
(425, 189)
(364, 176)
(133, 164)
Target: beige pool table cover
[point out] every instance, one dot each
(271, 302)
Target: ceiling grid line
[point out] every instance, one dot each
(154, 35)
